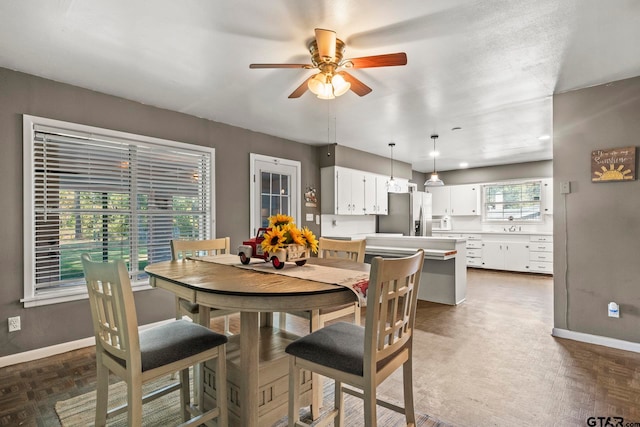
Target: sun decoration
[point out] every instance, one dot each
(612, 174)
(282, 232)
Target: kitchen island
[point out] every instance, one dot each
(444, 273)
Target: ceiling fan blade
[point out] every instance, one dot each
(388, 60)
(301, 89)
(357, 86)
(280, 66)
(326, 40)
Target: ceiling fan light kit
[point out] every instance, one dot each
(327, 86)
(327, 52)
(434, 180)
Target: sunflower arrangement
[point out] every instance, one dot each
(283, 232)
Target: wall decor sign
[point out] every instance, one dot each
(310, 197)
(613, 164)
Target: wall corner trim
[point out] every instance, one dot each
(40, 353)
(596, 339)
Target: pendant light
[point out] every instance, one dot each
(392, 185)
(434, 181)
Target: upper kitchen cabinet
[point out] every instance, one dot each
(352, 192)
(465, 199)
(440, 200)
(547, 196)
(455, 200)
(381, 206)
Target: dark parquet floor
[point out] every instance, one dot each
(490, 361)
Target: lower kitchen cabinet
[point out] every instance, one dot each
(541, 254)
(512, 256)
(507, 251)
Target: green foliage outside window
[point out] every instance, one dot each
(512, 202)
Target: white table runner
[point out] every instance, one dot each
(357, 281)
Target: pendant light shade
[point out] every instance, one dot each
(392, 185)
(434, 181)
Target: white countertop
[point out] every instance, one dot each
(436, 254)
(527, 233)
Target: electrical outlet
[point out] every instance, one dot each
(565, 187)
(614, 309)
(14, 323)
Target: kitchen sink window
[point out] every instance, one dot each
(506, 202)
(111, 194)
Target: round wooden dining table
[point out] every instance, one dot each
(261, 399)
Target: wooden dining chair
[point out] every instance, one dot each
(139, 357)
(183, 249)
(363, 357)
(353, 250)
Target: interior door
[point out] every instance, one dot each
(275, 188)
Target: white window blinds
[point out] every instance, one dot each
(113, 197)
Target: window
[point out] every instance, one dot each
(274, 196)
(275, 185)
(111, 194)
(512, 201)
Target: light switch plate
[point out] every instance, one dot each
(310, 217)
(565, 187)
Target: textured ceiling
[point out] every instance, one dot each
(489, 67)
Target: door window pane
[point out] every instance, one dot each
(275, 196)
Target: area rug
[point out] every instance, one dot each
(80, 410)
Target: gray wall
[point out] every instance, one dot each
(25, 94)
(339, 155)
(541, 169)
(597, 235)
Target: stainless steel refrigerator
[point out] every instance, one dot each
(409, 214)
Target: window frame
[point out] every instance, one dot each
(541, 202)
(33, 297)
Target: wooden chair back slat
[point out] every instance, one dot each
(112, 304)
(391, 301)
(349, 249)
(181, 249)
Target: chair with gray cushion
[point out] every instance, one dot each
(183, 249)
(140, 357)
(363, 357)
(353, 250)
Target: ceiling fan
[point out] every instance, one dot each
(327, 53)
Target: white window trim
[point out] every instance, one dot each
(540, 219)
(28, 122)
(254, 186)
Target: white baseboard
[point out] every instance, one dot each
(596, 339)
(39, 353)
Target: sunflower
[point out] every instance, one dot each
(273, 240)
(296, 236)
(312, 243)
(286, 232)
(279, 220)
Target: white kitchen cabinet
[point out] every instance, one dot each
(506, 251)
(382, 195)
(457, 200)
(370, 195)
(474, 249)
(541, 254)
(547, 196)
(440, 200)
(465, 199)
(505, 255)
(352, 192)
